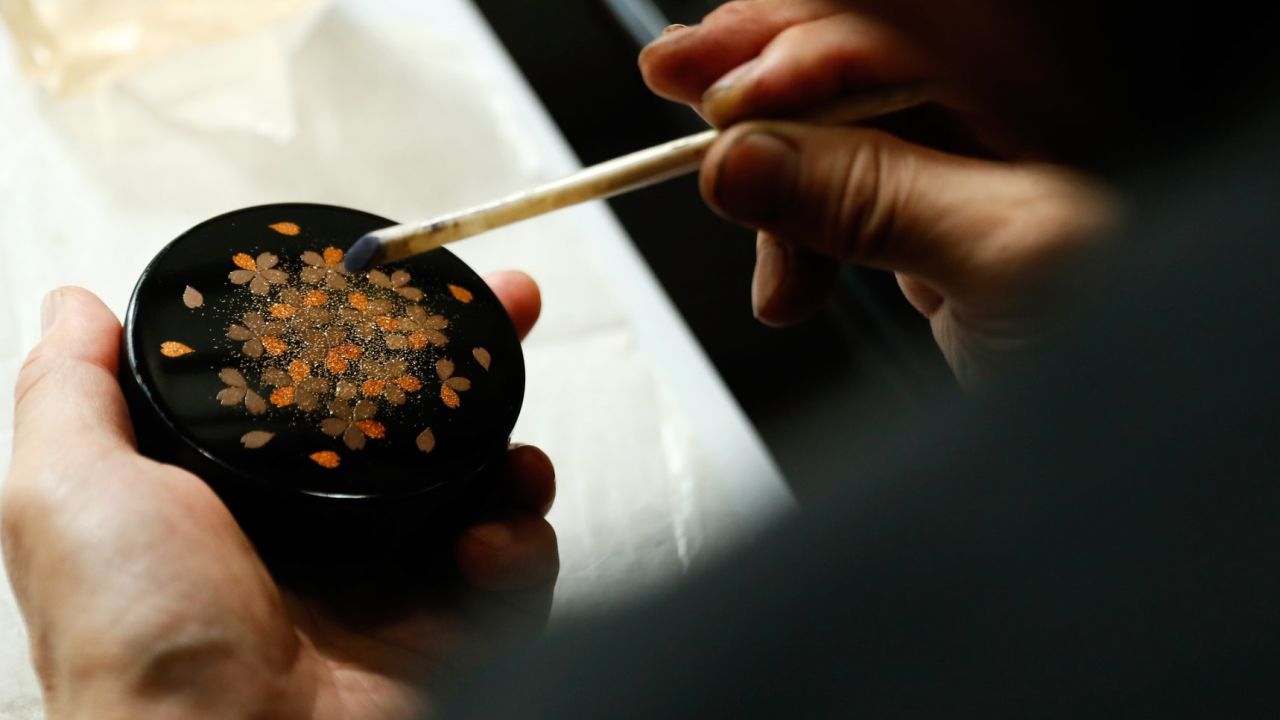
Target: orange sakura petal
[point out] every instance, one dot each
(359, 301)
(350, 351)
(173, 349)
(315, 298)
(372, 388)
(418, 339)
(388, 324)
(449, 397)
(372, 428)
(464, 295)
(336, 363)
(282, 397)
(332, 256)
(283, 311)
(326, 459)
(244, 261)
(299, 369)
(274, 345)
(286, 228)
(409, 383)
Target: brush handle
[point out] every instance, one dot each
(614, 177)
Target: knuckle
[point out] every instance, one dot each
(41, 369)
(733, 11)
(862, 213)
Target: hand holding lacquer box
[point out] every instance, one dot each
(343, 408)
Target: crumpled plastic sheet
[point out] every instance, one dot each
(396, 111)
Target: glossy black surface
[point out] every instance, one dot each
(175, 400)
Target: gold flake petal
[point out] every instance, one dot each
(192, 298)
(174, 349)
(256, 439)
(286, 228)
(327, 459)
(426, 441)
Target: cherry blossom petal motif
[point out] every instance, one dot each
(353, 438)
(426, 441)
(327, 459)
(450, 385)
(463, 295)
(286, 228)
(240, 277)
(345, 390)
(232, 396)
(192, 298)
(333, 427)
(174, 349)
(482, 356)
(256, 439)
(254, 403)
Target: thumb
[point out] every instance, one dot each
(67, 387)
(864, 196)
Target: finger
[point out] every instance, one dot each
(863, 196)
(681, 65)
(527, 483)
(789, 284)
(67, 387)
(516, 553)
(809, 64)
(520, 296)
(923, 298)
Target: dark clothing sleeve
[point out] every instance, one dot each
(1099, 535)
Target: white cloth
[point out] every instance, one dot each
(404, 109)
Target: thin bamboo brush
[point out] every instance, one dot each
(614, 177)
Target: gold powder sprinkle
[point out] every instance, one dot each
(426, 441)
(256, 439)
(173, 349)
(282, 397)
(482, 356)
(192, 298)
(464, 295)
(244, 261)
(326, 459)
(286, 228)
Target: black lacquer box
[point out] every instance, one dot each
(329, 410)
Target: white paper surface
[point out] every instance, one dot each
(404, 109)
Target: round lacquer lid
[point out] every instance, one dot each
(255, 360)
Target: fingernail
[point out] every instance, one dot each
(772, 266)
(721, 99)
(668, 33)
(757, 177)
(496, 536)
(49, 310)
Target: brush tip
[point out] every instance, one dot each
(361, 253)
